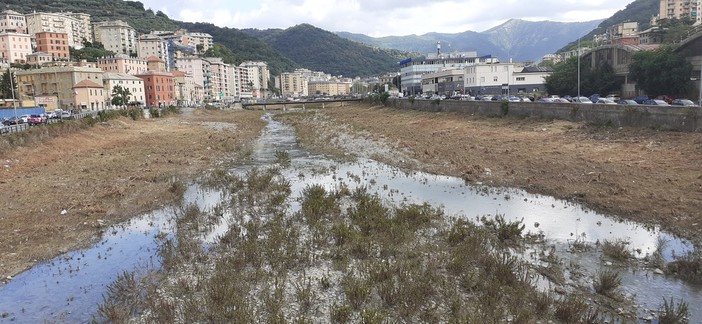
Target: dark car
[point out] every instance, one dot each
(640, 99)
(13, 121)
(683, 102)
(656, 102)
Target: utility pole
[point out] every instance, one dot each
(578, 69)
(12, 89)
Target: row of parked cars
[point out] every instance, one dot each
(616, 100)
(33, 119)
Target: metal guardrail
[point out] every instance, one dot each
(10, 129)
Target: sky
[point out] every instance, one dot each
(379, 18)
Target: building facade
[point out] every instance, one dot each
(134, 84)
(504, 78)
(76, 26)
(12, 22)
(15, 47)
(53, 43)
(159, 89)
(293, 85)
(411, 70)
(58, 81)
(122, 63)
(89, 96)
(39, 58)
(254, 77)
(117, 36)
(329, 88)
(448, 82)
(681, 9)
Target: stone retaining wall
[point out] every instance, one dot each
(677, 118)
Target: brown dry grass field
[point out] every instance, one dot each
(649, 176)
(118, 169)
(104, 175)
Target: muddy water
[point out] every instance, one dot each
(69, 288)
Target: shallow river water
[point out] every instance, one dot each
(70, 287)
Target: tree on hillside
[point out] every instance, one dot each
(90, 51)
(219, 50)
(661, 71)
(120, 95)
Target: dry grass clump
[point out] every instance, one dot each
(616, 250)
(688, 267)
(674, 313)
(606, 282)
(364, 262)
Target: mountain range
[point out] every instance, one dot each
(345, 53)
(515, 39)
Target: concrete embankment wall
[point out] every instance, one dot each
(686, 119)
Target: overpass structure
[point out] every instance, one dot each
(618, 56)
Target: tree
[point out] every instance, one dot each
(564, 79)
(120, 95)
(7, 86)
(661, 72)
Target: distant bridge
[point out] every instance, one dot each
(284, 105)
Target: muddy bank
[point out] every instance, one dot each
(643, 175)
(60, 193)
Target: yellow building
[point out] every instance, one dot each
(329, 88)
(681, 9)
(122, 63)
(293, 85)
(76, 25)
(61, 82)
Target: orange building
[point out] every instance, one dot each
(55, 44)
(159, 88)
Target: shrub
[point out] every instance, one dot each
(672, 313)
(606, 282)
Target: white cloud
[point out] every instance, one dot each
(382, 17)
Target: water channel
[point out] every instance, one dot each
(70, 287)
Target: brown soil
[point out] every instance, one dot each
(649, 176)
(59, 194)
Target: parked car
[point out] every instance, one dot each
(656, 102)
(614, 97)
(583, 100)
(24, 118)
(66, 115)
(36, 119)
(627, 102)
(641, 99)
(561, 100)
(4, 129)
(52, 115)
(667, 99)
(606, 101)
(683, 102)
(547, 100)
(13, 121)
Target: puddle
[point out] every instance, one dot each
(70, 287)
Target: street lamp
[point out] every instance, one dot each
(578, 69)
(12, 90)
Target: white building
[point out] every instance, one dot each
(13, 22)
(15, 47)
(134, 84)
(76, 25)
(117, 36)
(411, 70)
(223, 81)
(199, 70)
(504, 78)
(254, 77)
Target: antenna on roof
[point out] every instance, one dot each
(438, 48)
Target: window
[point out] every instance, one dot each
(521, 78)
(494, 79)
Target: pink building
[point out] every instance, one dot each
(15, 47)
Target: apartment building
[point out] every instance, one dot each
(199, 70)
(203, 39)
(503, 78)
(122, 63)
(134, 84)
(329, 88)
(159, 88)
(75, 25)
(60, 82)
(224, 83)
(254, 77)
(411, 70)
(187, 92)
(53, 43)
(293, 85)
(12, 22)
(117, 36)
(14, 47)
(446, 82)
(151, 45)
(681, 9)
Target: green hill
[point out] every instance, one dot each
(323, 51)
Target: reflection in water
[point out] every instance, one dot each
(70, 287)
